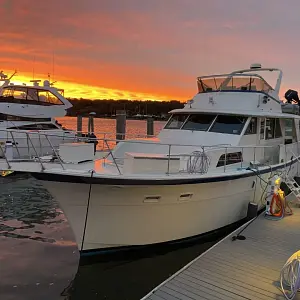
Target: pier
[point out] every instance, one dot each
(247, 267)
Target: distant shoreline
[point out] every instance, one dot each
(136, 110)
(127, 117)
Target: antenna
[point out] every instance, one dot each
(33, 67)
(13, 75)
(53, 64)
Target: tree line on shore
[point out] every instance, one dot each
(134, 108)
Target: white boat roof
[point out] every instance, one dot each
(43, 100)
(235, 112)
(242, 92)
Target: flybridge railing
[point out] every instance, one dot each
(190, 158)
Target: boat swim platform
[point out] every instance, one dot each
(239, 269)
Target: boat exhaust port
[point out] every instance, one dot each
(152, 199)
(185, 196)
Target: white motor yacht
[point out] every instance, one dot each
(213, 157)
(29, 108)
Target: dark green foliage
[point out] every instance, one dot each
(107, 108)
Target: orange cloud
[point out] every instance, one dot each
(77, 90)
(138, 49)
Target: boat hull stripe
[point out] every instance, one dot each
(127, 181)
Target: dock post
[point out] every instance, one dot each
(91, 127)
(91, 131)
(150, 126)
(79, 125)
(121, 124)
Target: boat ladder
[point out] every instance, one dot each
(293, 186)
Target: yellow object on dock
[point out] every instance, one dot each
(238, 269)
(5, 173)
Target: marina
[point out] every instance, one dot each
(211, 155)
(149, 150)
(124, 195)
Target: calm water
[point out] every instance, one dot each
(39, 258)
(133, 127)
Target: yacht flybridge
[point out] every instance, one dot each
(32, 107)
(210, 160)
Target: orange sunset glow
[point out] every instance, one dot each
(134, 49)
(81, 90)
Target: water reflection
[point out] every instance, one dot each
(39, 257)
(24, 205)
(38, 253)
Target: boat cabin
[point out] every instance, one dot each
(233, 118)
(33, 95)
(32, 101)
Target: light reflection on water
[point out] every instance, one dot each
(38, 253)
(133, 127)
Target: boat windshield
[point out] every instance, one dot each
(233, 82)
(228, 124)
(28, 95)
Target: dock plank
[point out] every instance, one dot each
(219, 281)
(240, 269)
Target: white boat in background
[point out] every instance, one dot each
(29, 108)
(210, 160)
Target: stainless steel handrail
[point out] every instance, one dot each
(169, 153)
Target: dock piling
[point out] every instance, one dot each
(150, 126)
(91, 127)
(121, 124)
(79, 125)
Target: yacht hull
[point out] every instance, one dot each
(109, 216)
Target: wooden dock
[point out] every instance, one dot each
(240, 269)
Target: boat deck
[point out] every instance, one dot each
(240, 269)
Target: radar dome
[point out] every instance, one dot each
(46, 83)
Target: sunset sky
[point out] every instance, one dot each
(146, 49)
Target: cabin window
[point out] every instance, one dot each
(4, 117)
(278, 133)
(176, 121)
(262, 128)
(270, 126)
(25, 95)
(288, 127)
(17, 93)
(32, 95)
(199, 122)
(252, 127)
(230, 82)
(230, 158)
(289, 131)
(273, 129)
(47, 126)
(229, 124)
(48, 97)
(21, 93)
(7, 93)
